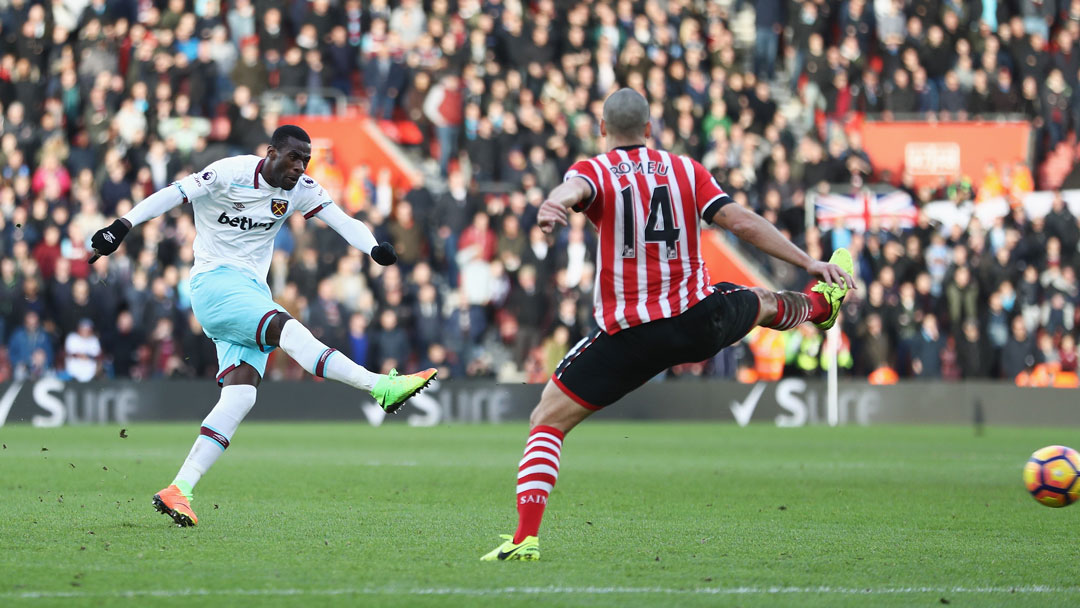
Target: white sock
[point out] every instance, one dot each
(217, 429)
(320, 359)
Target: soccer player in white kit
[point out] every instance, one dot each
(240, 204)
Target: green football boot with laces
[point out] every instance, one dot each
(834, 295)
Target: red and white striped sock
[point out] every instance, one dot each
(794, 308)
(537, 473)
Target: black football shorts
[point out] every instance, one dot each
(601, 368)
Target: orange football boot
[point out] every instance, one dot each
(172, 502)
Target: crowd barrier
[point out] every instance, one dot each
(790, 402)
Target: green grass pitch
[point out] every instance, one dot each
(644, 514)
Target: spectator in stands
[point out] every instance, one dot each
(1061, 223)
(71, 301)
(962, 296)
(973, 354)
(327, 317)
(952, 99)
(1067, 354)
(444, 108)
(769, 16)
(359, 342)
(926, 362)
(900, 98)
(47, 252)
(876, 349)
(1019, 352)
(26, 342)
(427, 318)
(408, 21)
(1055, 104)
(82, 351)
(341, 60)
(407, 236)
(391, 343)
(123, 348)
(316, 80)
(1004, 98)
(200, 355)
(385, 79)
(241, 20)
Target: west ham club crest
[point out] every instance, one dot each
(279, 206)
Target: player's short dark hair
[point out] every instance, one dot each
(283, 133)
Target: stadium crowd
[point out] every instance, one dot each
(106, 101)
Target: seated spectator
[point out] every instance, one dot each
(926, 353)
(82, 351)
(1022, 182)
(1067, 354)
(1019, 352)
(991, 185)
(30, 347)
(973, 352)
(391, 344)
(359, 343)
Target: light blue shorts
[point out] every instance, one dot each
(234, 309)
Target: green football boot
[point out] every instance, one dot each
(393, 390)
(835, 295)
(526, 550)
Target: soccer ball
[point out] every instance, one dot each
(1052, 475)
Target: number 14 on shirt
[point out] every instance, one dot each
(659, 227)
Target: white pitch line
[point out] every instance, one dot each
(459, 591)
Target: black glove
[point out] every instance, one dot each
(107, 240)
(384, 254)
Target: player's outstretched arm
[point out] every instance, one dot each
(567, 194)
(759, 232)
(357, 234)
(108, 239)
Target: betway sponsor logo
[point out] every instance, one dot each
(243, 223)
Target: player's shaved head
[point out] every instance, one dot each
(626, 113)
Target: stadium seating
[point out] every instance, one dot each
(489, 103)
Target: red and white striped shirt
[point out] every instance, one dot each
(647, 207)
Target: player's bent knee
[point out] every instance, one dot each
(273, 329)
(242, 374)
(244, 397)
(557, 410)
(767, 304)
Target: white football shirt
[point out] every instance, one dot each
(83, 368)
(237, 214)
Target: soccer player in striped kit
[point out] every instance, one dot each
(654, 301)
